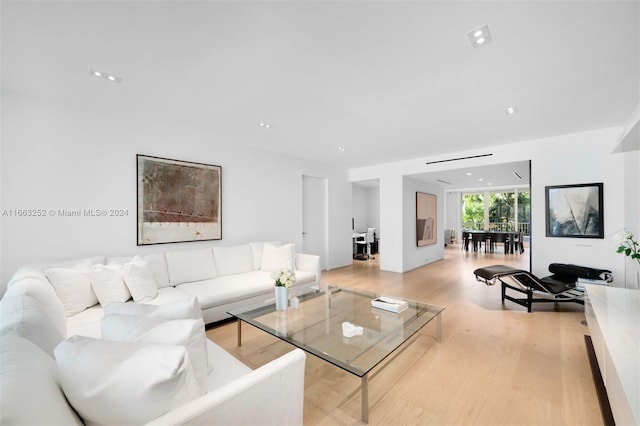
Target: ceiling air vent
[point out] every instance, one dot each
(460, 158)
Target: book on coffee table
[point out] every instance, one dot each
(389, 304)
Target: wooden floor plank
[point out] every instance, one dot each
(495, 365)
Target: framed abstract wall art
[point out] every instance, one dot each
(426, 219)
(178, 201)
(575, 211)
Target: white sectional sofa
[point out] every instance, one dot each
(37, 315)
(221, 278)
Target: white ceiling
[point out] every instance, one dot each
(386, 80)
(489, 178)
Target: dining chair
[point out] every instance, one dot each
(465, 240)
(499, 237)
(518, 242)
(477, 238)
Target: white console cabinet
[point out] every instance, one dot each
(613, 315)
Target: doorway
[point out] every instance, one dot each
(315, 218)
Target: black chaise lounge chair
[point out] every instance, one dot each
(559, 287)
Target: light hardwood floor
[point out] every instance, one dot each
(495, 365)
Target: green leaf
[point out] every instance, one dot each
(628, 252)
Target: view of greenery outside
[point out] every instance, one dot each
(473, 211)
(501, 211)
(524, 207)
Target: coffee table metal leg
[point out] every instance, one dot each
(239, 332)
(439, 326)
(364, 389)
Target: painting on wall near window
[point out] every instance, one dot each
(178, 201)
(426, 219)
(575, 211)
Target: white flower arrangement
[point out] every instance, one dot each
(627, 245)
(284, 277)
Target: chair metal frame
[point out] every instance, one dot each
(553, 288)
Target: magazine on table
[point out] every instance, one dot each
(389, 304)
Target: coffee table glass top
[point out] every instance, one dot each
(316, 326)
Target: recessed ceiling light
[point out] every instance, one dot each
(469, 173)
(265, 125)
(479, 36)
(489, 183)
(106, 76)
(511, 110)
(341, 149)
(480, 179)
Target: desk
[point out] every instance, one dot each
(354, 238)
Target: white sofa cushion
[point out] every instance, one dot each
(139, 280)
(190, 265)
(232, 288)
(223, 290)
(181, 332)
(108, 284)
(73, 287)
(158, 264)
(29, 390)
(25, 316)
(38, 287)
(277, 257)
(124, 382)
(185, 308)
(233, 259)
(86, 323)
(166, 295)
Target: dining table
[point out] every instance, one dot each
(487, 237)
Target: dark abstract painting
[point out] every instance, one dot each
(575, 211)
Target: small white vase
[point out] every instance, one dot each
(281, 298)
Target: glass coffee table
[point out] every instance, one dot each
(316, 327)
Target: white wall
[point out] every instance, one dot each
(54, 158)
(567, 159)
(415, 256)
(391, 221)
(453, 212)
(632, 212)
(360, 209)
(373, 207)
(366, 208)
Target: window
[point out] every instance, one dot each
(498, 209)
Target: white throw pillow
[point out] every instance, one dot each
(183, 332)
(26, 317)
(158, 264)
(277, 257)
(139, 280)
(108, 284)
(257, 249)
(122, 383)
(73, 287)
(29, 390)
(40, 289)
(187, 308)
